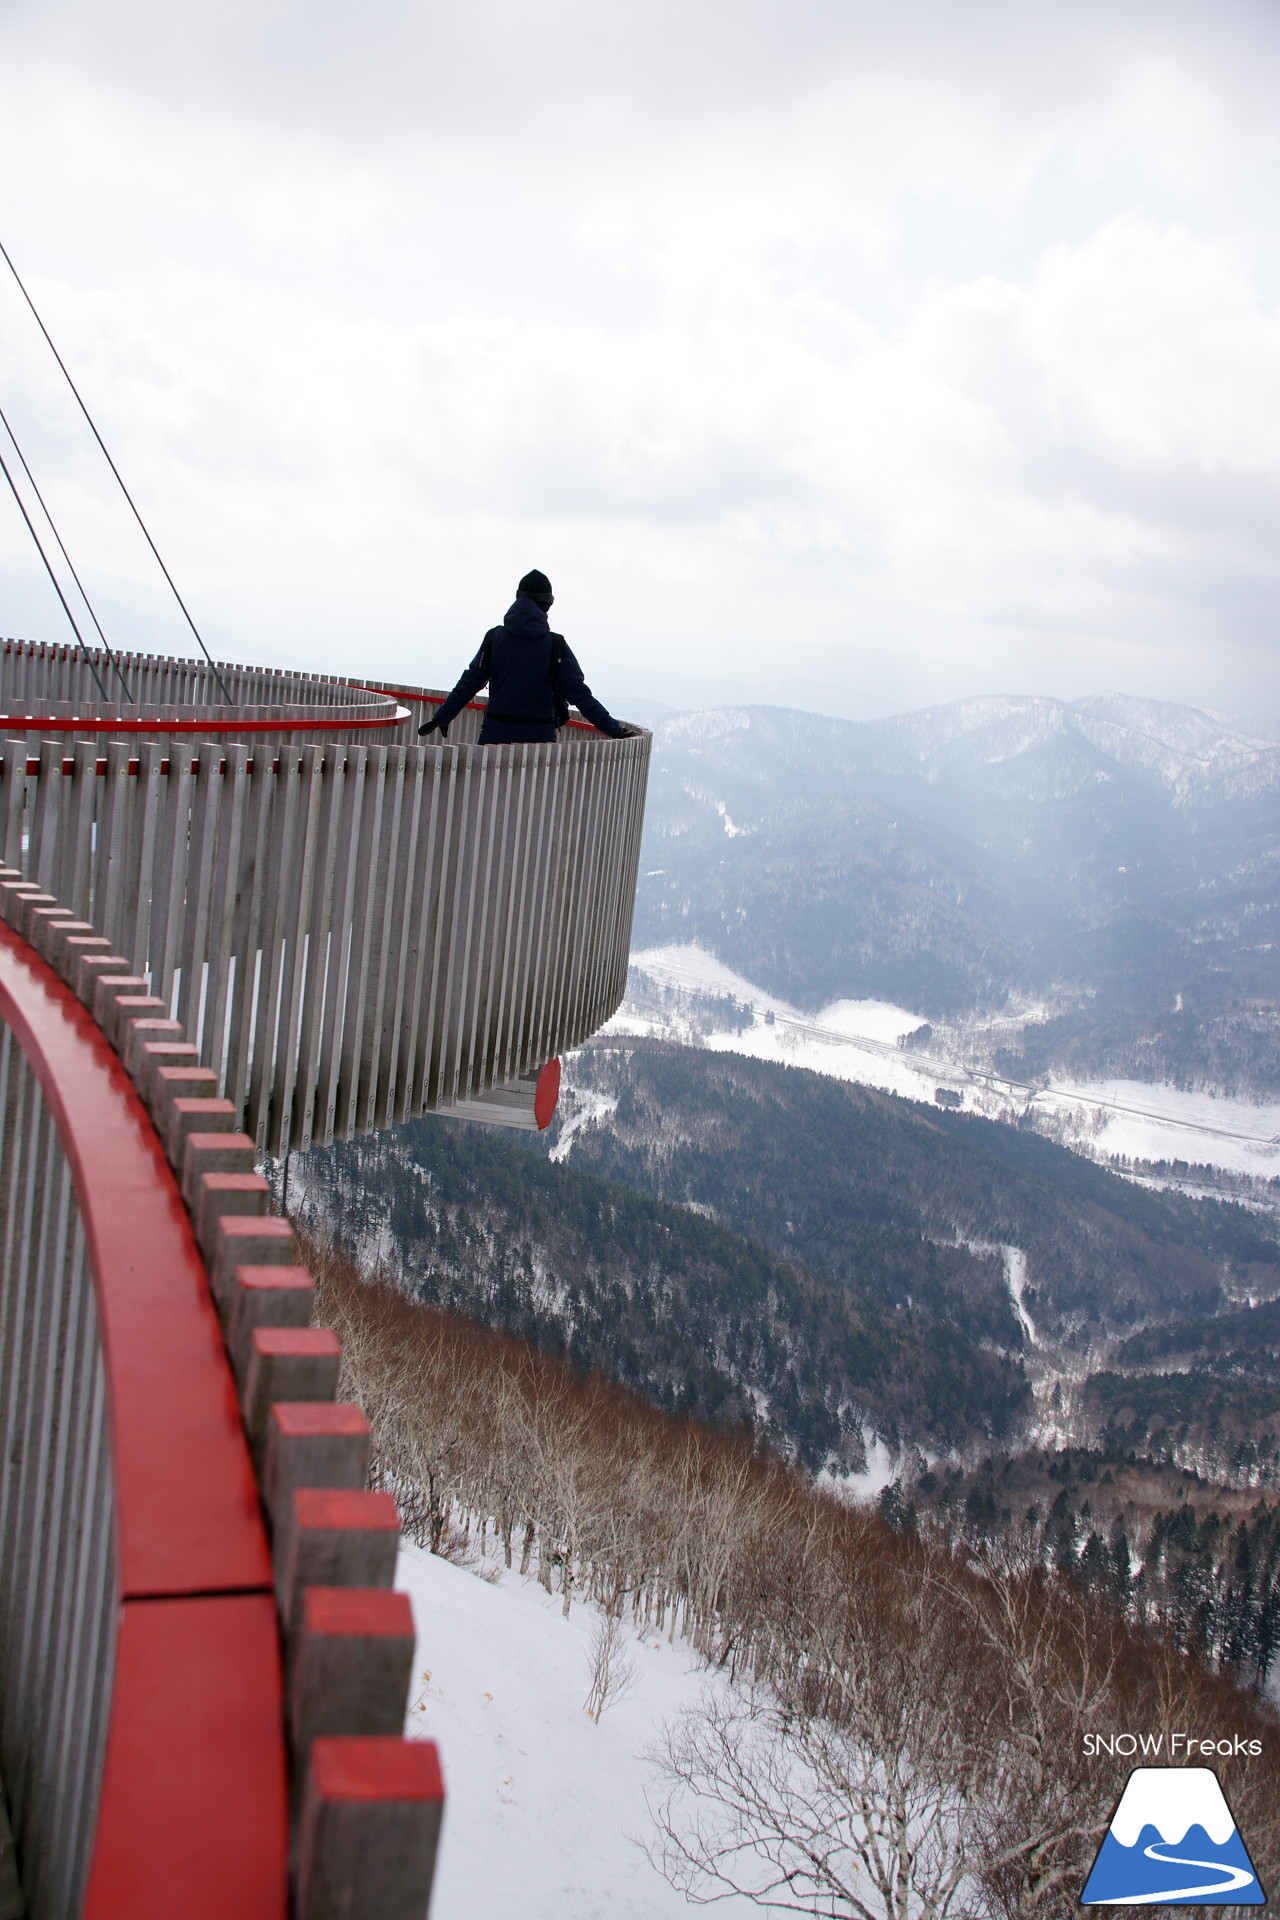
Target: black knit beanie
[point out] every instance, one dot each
(535, 586)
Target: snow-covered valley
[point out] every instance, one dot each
(674, 990)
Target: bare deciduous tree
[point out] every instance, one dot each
(804, 1813)
(613, 1671)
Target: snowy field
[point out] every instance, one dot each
(852, 1039)
(545, 1811)
(857, 1040)
(1163, 1123)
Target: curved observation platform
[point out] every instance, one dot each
(57, 690)
(351, 927)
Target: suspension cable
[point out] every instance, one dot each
(116, 471)
(67, 557)
(56, 586)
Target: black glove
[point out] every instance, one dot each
(429, 726)
(625, 732)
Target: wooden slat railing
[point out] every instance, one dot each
(352, 934)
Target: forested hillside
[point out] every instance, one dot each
(914, 1202)
(1198, 1562)
(772, 1248)
(653, 1294)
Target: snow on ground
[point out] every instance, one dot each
(1015, 1276)
(882, 1468)
(544, 1809)
(591, 1106)
(1149, 1122)
(850, 1039)
(868, 1020)
(803, 1043)
(857, 1040)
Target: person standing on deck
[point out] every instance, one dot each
(532, 676)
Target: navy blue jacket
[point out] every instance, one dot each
(515, 660)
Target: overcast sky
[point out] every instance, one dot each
(861, 356)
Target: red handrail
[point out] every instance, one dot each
(31, 722)
(193, 1816)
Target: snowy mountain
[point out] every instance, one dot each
(1187, 752)
(1115, 860)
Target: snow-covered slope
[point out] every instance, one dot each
(545, 1815)
(857, 1040)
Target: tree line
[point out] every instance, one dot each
(1206, 1581)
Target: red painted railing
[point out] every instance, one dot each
(193, 1816)
(200, 1780)
(207, 728)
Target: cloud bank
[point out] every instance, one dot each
(853, 356)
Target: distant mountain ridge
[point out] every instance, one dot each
(1186, 750)
(1115, 859)
(1190, 753)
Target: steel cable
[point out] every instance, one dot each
(53, 576)
(116, 471)
(67, 557)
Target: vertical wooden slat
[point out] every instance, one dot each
(45, 816)
(461, 903)
(248, 925)
(13, 795)
(173, 866)
(505, 984)
(404, 923)
(350, 1062)
(331, 773)
(275, 941)
(345, 893)
(383, 877)
(540, 858)
(224, 963)
(148, 800)
(299, 881)
(421, 930)
(112, 850)
(474, 1010)
(206, 803)
(71, 874)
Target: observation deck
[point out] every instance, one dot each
(230, 929)
(351, 927)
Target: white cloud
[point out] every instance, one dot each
(893, 354)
